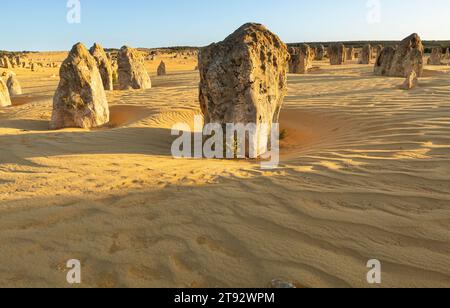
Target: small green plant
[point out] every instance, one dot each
(283, 134)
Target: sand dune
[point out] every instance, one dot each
(365, 173)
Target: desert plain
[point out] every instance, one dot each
(364, 174)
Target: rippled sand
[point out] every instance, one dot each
(364, 174)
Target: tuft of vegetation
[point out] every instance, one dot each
(283, 134)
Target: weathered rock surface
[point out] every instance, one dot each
(320, 53)
(384, 61)
(411, 81)
(104, 66)
(366, 54)
(13, 85)
(131, 71)
(243, 81)
(5, 99)
(80, 99)
(161, 69)
(436, 56)
(301, 60)
(408, 55)
(337, 54)
(6, 63)
(377, 51)
(350, 53)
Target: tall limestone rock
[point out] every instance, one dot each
(5, 99)
(409, 55)
(337, 54)
(350, 53)
(377, 51)
(301, 60)
(104, 66)
(384, 61)
(13, 85)
(161, 69)
(7, 63)
(131, 71)
(80, 99)
(366, 54)
(436, 56)
(320, 53)
(399, 61)
(243, 81)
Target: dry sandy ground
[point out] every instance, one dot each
(365, 174)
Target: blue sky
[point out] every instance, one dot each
(42, 24)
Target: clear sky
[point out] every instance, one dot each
(42, 24)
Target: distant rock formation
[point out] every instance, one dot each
(436, 56)
(161, 69)
(13, 85)
(320, 53)
(104, 66)
(350, 53)
(301, 60)
(377, 51)
(131, 71)
(80, 99)
(337, 54)
(7, 63)
(243, 81)
(365, 54)
(313, 51)
(408, 55)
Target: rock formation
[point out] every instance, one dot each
(161, 69)
(320, 53)
(408, 55)
(6, 63)
(13, 85)
(377, 51)
(337, 54)
(301, 60)
(384, 61)
(350, 53)
(104, 66)
(131, 71)
(243, 81)
(5, 99)
(436, 56)
(365, 55)
(80, 99)
(411, 81)
(313, 52)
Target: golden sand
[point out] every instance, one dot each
(364, 174)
